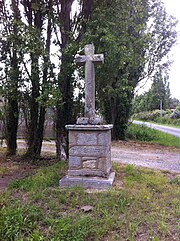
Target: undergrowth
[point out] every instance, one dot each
(142, 205)
(154, 116)
(144, 133)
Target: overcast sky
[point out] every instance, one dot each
(173, 7)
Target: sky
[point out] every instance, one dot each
(173, 8)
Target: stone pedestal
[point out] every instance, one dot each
(89, 157)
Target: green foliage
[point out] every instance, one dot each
(168, 121)
(147, 115)
(44, 178)
(151, 100)
(144, 133)
(18, 220)
(141, 133)
(178, 108)
(129, 43)
(176, 181)
(148, 202)
(154, 116)
(173, 103)
(116, 34)
(120, 29)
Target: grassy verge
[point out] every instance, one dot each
(144, 133)
(142, 205)
(154, 116)
(161, 123)
(170, 124)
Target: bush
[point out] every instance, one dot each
(175, 115)
(147, 115)
(140, 133)
(144, 133)
(167, 118)
(178, 108)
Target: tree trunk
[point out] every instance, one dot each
(38, 110)
(12, 126)
(12, 114)
(32, 151)
(64, 112)
(64, 107)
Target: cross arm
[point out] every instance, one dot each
(98, 58)
(80, 59)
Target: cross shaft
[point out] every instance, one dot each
(89, 59)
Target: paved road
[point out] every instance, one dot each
(170, 130)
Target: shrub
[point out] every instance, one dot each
(141, 133)
(178, 108)
(147, 115)
(169, 121)
(175, 115)
(167, 118)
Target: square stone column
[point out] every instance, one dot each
(89, 157)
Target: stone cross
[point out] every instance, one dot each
(89, 59)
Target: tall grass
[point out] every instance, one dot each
(144, 133)
(36, 209)
(168, 121)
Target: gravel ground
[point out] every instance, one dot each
(136, 153)
(139, 154)
(146, 155)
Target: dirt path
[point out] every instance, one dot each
(12, 169)
(147, 155)
(139, 154)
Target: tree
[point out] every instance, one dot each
(9, 56)
(135, 36)
(173, 103)
(26, 31)
(37, 43)
(71, 31)
(38, 22)
(158, 93)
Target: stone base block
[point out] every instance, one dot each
(88, 182)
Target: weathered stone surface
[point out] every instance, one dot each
(95, 120)
(89, 139)
(101, 163)
(89, 59)
(88, 182)
(74, 162)
(88, 158)
(72, 138)
(89, 150)
(107, 161)
(88, 173)
(89, 121)
(97, 151)
(86, 138)
(104, 138)
(88, 127)
(90, 164)
(82, 121)
(105, 164)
